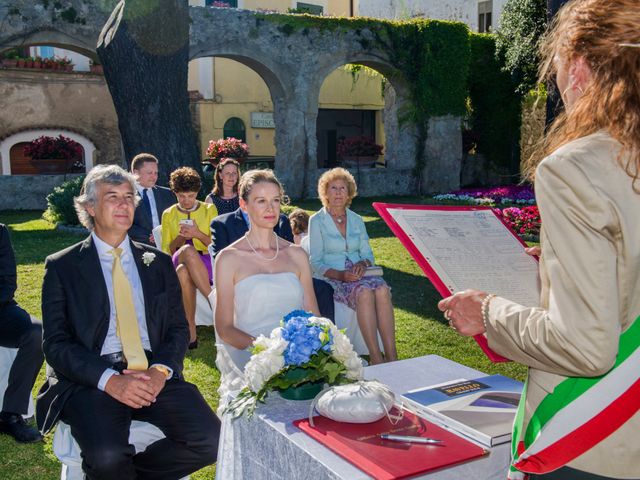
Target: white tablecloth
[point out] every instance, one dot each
(269, 447)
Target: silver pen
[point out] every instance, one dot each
(403, 438)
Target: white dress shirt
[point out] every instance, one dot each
(152, 201)
(112, 343)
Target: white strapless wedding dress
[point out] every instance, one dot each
(260, 302)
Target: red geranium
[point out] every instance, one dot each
(54, 147)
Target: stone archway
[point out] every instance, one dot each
(293, 55)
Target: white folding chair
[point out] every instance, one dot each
(65, 447)
(7, 356)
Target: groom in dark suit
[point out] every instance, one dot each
(114, 340)
(153, 199)
(227, 228)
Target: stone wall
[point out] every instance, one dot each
(33, 99)
(28, 192)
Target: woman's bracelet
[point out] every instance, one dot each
(484, 309)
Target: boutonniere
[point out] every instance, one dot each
(148, 258)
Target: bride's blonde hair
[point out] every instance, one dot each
(606, 33)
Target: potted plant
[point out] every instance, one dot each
(37, 62)
(65, 64)
(10, 58)
(227, 148)
(96, 67)
(359, 151)
(53, 155)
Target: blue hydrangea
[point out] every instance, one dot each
(304, 340)
(297, 313)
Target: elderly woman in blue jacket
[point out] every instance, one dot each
(340, 253)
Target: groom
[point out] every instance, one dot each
(114, 340)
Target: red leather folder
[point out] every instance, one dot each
(382, 209)
(361, 445)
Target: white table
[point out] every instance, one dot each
(269, 447)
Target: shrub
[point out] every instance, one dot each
(495, 105)
(522, 25)
(60, 208)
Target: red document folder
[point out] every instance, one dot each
(382, 209)
(361, 445)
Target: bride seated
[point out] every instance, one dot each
(259, 279)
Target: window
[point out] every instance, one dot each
(484, 16)
(234, 127)
(229, 3)
(309, 8)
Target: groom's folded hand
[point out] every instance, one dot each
(132, 389)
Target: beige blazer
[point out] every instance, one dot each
(590, 286)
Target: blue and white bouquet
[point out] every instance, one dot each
(304, 349)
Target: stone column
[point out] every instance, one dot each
(443, 152)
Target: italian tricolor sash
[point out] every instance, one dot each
(580, 413)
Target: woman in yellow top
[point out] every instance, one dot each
(185, 236)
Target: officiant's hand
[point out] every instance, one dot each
(533, 251)
(132, 390)
(464, 312)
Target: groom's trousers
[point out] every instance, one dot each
(100, 424)
(18, 330)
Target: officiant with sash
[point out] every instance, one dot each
(114, 338)
(153, 199)
(580, 415)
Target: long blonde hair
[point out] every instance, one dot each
(606, 33)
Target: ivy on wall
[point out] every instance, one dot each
(495, 105)
(432, 57)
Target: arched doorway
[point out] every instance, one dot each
(14, 162)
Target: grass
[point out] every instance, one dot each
(420, 327)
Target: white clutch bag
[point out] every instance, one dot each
(359, 402)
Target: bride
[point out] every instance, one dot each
(259, 279)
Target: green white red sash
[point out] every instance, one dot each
(580, 413)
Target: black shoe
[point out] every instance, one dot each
(20, 430)
(193, 345)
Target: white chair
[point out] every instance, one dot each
(347, 320)
(7, 356)
(204, 313)
(141, 435)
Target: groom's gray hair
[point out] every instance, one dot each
(111, 174)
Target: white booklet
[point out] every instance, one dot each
(482, 409)
(462, 247)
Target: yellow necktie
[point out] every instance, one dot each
(126, 319)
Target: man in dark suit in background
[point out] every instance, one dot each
(153, 199)
(115, 336)
(227, 228)
(17, 330)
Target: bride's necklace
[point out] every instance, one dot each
(338, 218)
(246, 235)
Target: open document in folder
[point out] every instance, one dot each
(462, 247)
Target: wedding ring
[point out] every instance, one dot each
(447, 316)
(452, 325)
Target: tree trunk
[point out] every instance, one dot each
(554, 101)
(144, 48)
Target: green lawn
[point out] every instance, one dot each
(420, 328)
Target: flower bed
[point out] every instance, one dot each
(517, 194)
(524, 221)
